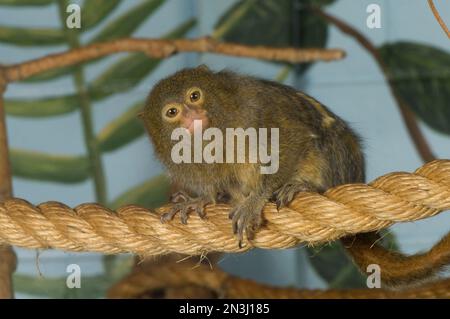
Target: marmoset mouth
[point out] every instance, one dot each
(190, 123)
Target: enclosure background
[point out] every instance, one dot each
(354, 88)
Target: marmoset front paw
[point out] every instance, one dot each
(184, 205)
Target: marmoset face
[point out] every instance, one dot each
(179, 101)
(182, 112)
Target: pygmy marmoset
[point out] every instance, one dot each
(316, 149)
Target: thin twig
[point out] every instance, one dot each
(408, 116)
(438, 18)
(158, 48)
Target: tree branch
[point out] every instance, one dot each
(408, 116)
(158, 48)
(438, 18)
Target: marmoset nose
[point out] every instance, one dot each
(192, 108)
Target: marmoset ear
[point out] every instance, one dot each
(203, 67)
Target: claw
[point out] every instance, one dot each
(184, 208)
(179, 196)
(184, 215)
(279, 204)
(235, 228)
(200, 210)
(286, 194)
(168, 216)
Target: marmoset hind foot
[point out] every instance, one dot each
(285, 194)
(184, 205)
(247, 217)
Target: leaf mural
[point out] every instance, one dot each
(265, 23)
(123, 26)
(122, 130)
(44, 107)
(150, 194)
(49, 167)
(333, 265)
(26, 2)
(95, 11)
(127, 23)
(92, 286)
(421, 75)
(256, 22)
(31, 37)
(56, 288)
(51, 75)
(131, 70)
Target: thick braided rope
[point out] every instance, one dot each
(310, 218)
(171, 277)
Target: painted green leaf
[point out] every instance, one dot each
(232, 19)
(256, 23)
(319, 2)
(150, 194)
(126, 73)
(128, 22)
(123, 75)
(52, 74)
(42, 166)
(41, 107)
(270, 23)
(121, 131)
(118, 266)
(25, 2)
(56, 288)
(334, 266)
(108, 34)
(312, 33)
(31, 37)
(95, 11)
(421, 75)
(92, 287)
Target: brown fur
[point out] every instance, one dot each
(318, 150)
(313, 155)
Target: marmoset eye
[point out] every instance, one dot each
(195, 96)
(172, 112)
